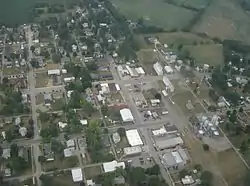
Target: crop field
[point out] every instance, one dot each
(206, 54)
(22, 10)
(224, 19)
(198, 4)
(155, 12)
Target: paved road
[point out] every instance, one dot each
(31, 81)
(3, 58)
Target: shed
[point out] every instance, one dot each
(54, 72)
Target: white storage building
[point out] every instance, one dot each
(54, 72)
(133, 137)
(168, 69)
(129, 151)
(140, 71)
(126, 115)
(158, 68)
(111, 166)
(69, 79)
(77, 174)
(169, 143)
(159, 132)
(168, 84)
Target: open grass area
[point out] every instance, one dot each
(58, 163)
(42, 80)
(206, 54)
(232, 167)
(155, 12)
(224, 19)
(91, 172)
(198, 4)
(181, 99)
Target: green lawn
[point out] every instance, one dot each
(155, 12)
(14, 12)
(207, 54)
(193, 3)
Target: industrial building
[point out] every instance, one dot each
(168, 84)
(132, 71)
(133, 137)
(126, 115)
(175, 160)
(111, 166)
(130, 151)
(168, 69)
(158, 68)
(168, 143)
(77, 174)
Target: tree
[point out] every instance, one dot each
(158, 96)
(205, 147)
(206, 178)
(106, 130)
(121, 131)
(198, 167)
(92, 66)
(41, 159)
(32, 48)
(44, 117)
(247, 179)
(56, 58)
(137, 175)
(243, 146)
(155, 181)
(5, 80)
(155, 170)
(18, 164)
(13, 150)
(240, 109)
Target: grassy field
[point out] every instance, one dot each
(198, 4)
(175, 39)
(224, 19)
(234, 171)
(155, 12)
(14, 12)
(206, 54)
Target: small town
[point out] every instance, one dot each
(90, 97)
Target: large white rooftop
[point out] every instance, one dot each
(77, 174)
(126, 115)
(133, 137)
(111, 166)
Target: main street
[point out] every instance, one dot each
(36, 166)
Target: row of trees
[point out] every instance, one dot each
(94, 143)
(135, 176)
